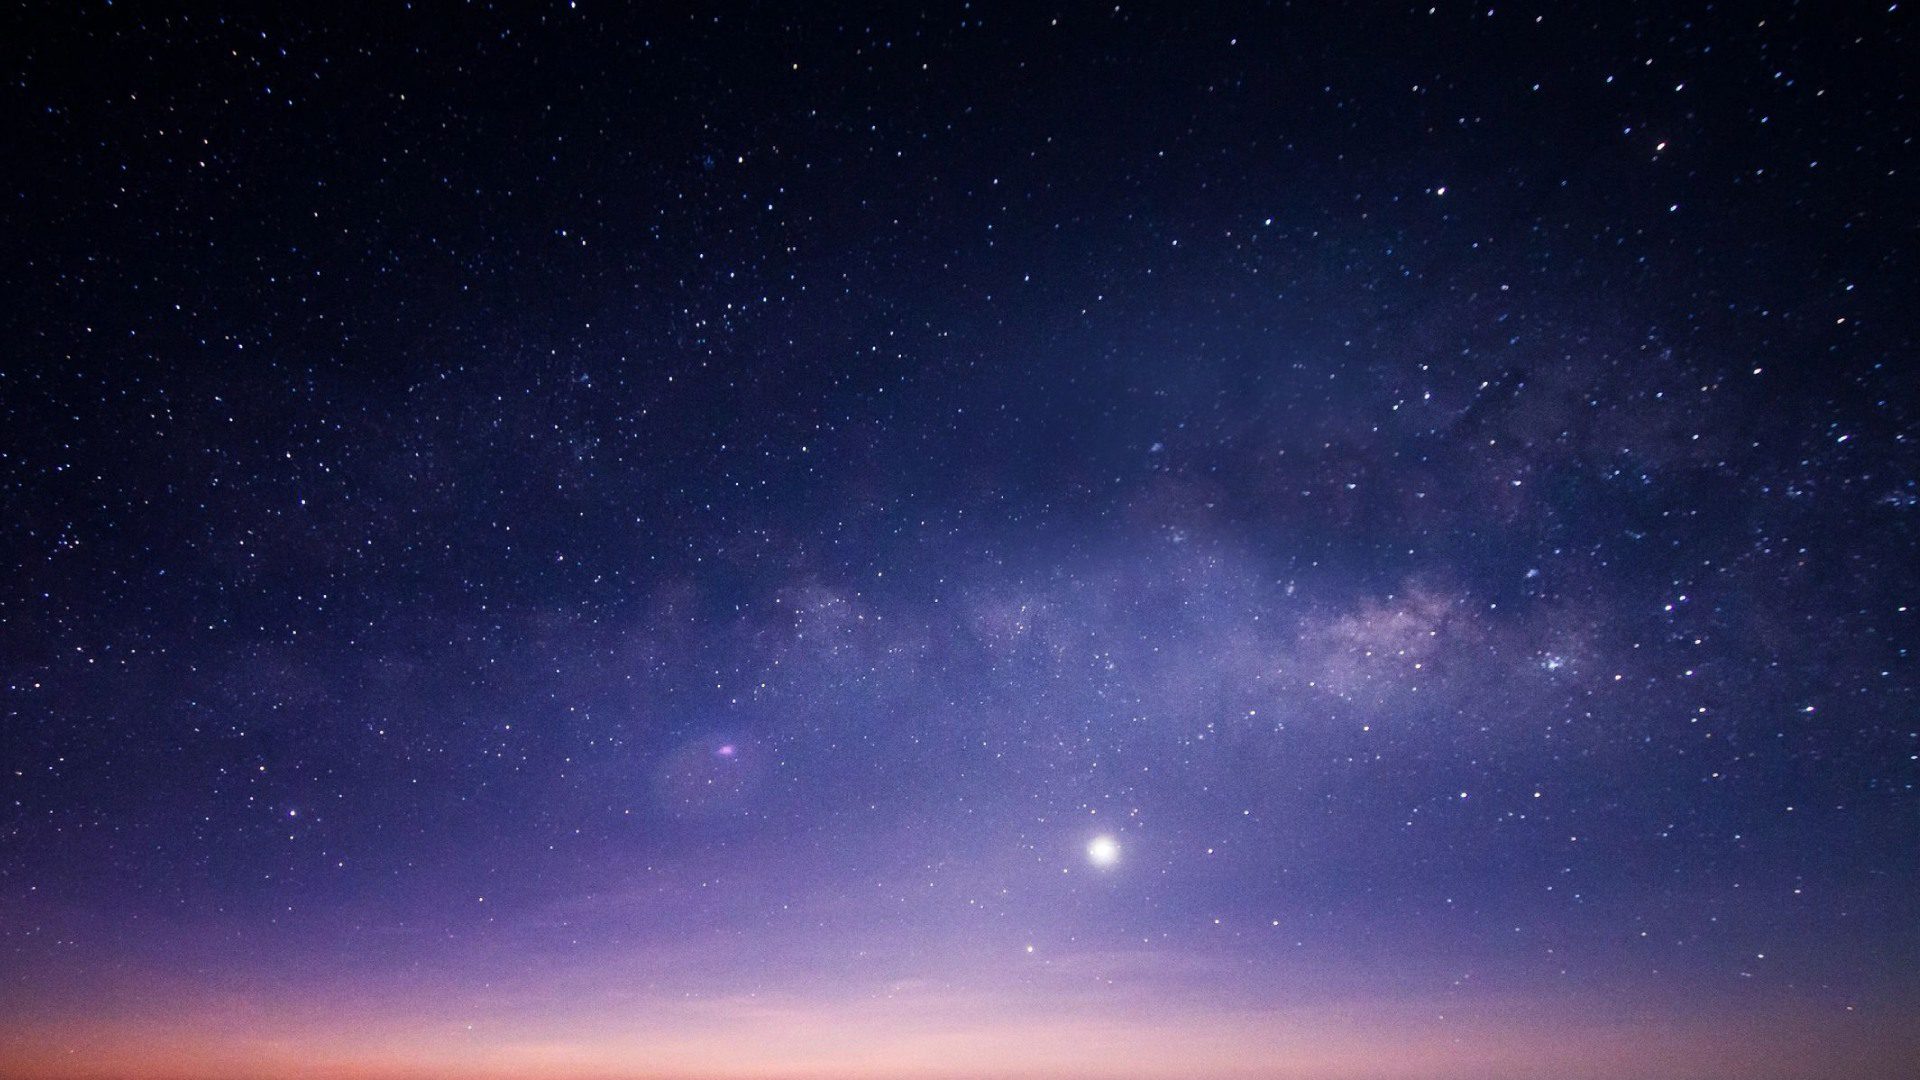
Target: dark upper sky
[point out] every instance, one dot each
(1092, 541)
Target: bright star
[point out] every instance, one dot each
(1103, 851)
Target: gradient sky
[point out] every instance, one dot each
(987, 541)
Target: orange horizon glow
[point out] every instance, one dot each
(917, 1033)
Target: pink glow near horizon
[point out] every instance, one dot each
(917, 1031)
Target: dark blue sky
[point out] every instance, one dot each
(547, 540)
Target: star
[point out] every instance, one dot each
(1103, 851)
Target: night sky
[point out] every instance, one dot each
(959, 541)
